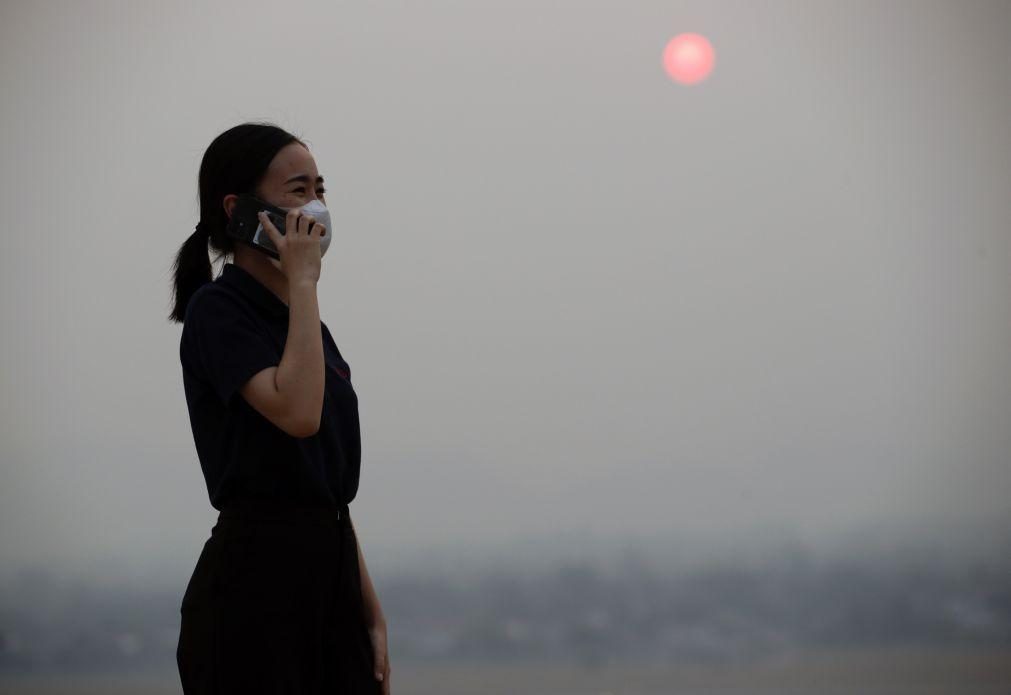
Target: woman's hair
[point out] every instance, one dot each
(235, 162)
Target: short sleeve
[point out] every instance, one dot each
(225, 344)
(332, 355)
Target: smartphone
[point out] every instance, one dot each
(245, 225)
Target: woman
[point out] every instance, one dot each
(280, 600)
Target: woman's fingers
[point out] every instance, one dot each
(380, 657)
(303, 224)
(291, 221)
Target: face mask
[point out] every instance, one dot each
(319, 213)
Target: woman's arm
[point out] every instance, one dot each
(375, 622)
(301, 374)
(373, 611)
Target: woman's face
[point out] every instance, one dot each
(291, 180)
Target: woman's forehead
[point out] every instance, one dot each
(292, 160)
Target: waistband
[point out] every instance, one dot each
(272, 512)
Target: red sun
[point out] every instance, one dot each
(688, 58)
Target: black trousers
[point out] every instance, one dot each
(274, 606)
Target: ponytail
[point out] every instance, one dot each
(192, 268)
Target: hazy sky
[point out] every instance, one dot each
(575, 296)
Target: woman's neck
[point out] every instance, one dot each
(260, 267)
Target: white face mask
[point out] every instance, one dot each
(320, 214)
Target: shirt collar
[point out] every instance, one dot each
(255, 291)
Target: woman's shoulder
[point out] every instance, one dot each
(213, 310)
(210, 299)
(220, 321)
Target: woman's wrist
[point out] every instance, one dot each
(303, 282)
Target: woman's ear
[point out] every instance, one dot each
(229, 204)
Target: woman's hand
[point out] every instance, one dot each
(299, 246)
(377, 633)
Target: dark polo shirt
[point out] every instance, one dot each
(235, 327)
